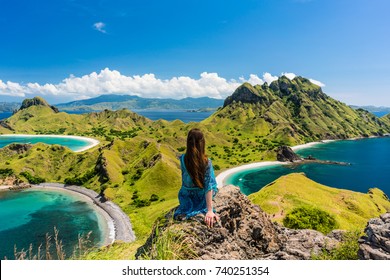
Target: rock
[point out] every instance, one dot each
(19, 148)
(36, 101)
(376, 244)
(246, 93)
(6, 125)
(244, 232)
(285, 153)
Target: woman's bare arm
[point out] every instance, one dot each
(210, 215)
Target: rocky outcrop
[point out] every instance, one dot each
(13, 182)
(19, 148)
(36, 101)
(285, 153)
(246, 94)
(244, 232)
(376, 244)
(6, 125)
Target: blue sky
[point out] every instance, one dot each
(71, 49)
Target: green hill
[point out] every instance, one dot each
(256, 120)
(291, 112)
(351, 209)
(386, 119)
(136, 164)
(117, 102)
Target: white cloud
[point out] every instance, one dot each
(100, 26)
(289, 75)
(255, 80)
(10, 88)
(148, 85)
(269, 78)
(318, 83)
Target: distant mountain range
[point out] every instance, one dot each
(377, 111)
(9, 106)
(131, 102)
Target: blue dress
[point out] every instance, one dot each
(192, 198)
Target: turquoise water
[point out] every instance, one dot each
(26, 216)
(74, 144)
(370, 167)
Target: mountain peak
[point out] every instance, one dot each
(282, 87)
(245, 93)
(36, 101)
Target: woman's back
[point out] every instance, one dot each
(191, 197)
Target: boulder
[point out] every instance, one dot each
(243, 232)
(376, 244)
(285, 153)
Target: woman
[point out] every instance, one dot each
(198, 181)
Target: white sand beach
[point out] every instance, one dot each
(225, 174)
(92, 142)
(221, 178)
(106, 223)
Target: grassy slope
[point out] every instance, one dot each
(386, 119)
(140, 156)
(351, 209)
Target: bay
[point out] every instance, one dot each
(75, 144)
(369, 167)
(26, 216)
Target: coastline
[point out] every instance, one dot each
(221, 178)
(116, 224)
(92, 142)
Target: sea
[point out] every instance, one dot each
(369, 167)
(185, 116)
(27, 216)
(74, 144)
(5, 115)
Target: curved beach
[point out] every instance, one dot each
(221, 178)
(92, 142)
(116, 224)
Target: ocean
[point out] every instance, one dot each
(26, 216)
(185, 116)
(369, 167)
(5, 115)
(72, 143)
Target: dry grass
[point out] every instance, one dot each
(45, 252)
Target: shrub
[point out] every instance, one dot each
(32, 179)
(6, 172)
(141, 202)
(181, 149)
(310, 218)
(347, 249)
(137, 175)
(154, 197)
(81, 179)
(135, 195)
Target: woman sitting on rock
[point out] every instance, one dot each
(198, 181)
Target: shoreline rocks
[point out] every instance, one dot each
(285, 153)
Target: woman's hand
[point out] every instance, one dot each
(210, 217)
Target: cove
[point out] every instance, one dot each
(75, 143)
(26, 216)
(369, 159)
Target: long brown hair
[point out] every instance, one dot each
(195, 158)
